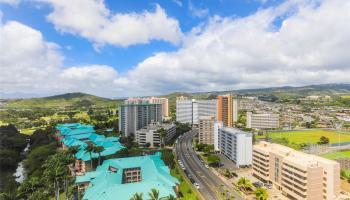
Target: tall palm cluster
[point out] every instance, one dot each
(56, 178)
(92, 148)
(153, 195)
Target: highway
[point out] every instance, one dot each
(209, 183)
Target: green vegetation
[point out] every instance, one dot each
(62, 101)
(261, 194)
(12, 144)
(337, 155)
(185, 188)
(309, 136)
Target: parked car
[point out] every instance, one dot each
(258, 184)
(206, 166)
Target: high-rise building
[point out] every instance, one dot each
(236, 145)
(189, 111)
(206, 130)
(227, 109)
(262, 120)
(151, 100)
(298, 175)
(150, 135)
(133, 117)
(217, 126)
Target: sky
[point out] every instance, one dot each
(123, 48)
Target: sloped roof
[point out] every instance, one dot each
(107, 185)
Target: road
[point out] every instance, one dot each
(209, 183)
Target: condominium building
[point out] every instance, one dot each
(298, 175)
(206, 130)
(227, 109)
(189, 111)
(133, 117)
(217, 126)
(236, 145)
(152, 100)
(150, 135)
(262, 120)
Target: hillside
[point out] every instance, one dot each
(61, 101)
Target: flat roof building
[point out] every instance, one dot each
(121, 178)
(189, 111)
(298, 175)
(235, 145)
(133, 117)
(151, 100)
(206, 130)
(149, 134)
(227, 109)
(262, 120)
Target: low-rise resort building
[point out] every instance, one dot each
(121, 178)
(118, 178)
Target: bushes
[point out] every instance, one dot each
(37, 157)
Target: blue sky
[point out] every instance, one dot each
(79, 51)
(133, 48)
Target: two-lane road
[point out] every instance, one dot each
(209, 183)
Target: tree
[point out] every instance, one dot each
(208, 149)
(323, 140)
(244, 184)
(98, 150)
(90, 149)
(56, 171)
(261, 194)
(154, 194)
(170, 197)
(137, 196)
(29, 186)
(213, 160)
(162, 133)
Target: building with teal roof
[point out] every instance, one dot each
(77, 134)
(122, 177)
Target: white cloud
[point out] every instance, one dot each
(92, 20)
(197, 12)
(29, 64)
(178, 2)
(309, 46)
(10, 2)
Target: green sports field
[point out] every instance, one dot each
(337, 155)
(310, 136)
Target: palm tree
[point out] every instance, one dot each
(137, 196)
(162, 133)
(170, 197)
(98, 150)
(90, 149)
(261, 194)
(72, 151)
(244, 183)
(29, 186)
(154, 194)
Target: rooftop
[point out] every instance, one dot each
(78, 135)
(235, 131)
(303, 159)
(106, 184)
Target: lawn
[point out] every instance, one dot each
(309, 136)
(28, 131)
(337, 155)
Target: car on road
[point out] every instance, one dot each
(268, 185)
(196, 185)
(258, 184)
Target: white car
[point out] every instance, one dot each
(196, 185)
(206, 166)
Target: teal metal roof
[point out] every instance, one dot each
(77, 135)
(107, 185)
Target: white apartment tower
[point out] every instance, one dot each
(189, 111)
(236, 145)
(262, 120)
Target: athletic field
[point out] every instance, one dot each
(310, 136)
